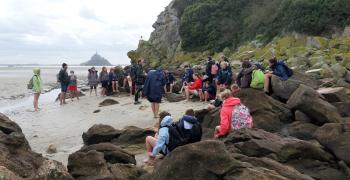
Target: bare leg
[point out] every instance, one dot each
(90, 90)
(156, 109)
(201, 96)
(77, 94)
(117, 86)
(171, 88)
(267, 82)
(150, 143)
(62, 98)
(217, 129)
(206, 96)
(187, 93)
(36, 100)
(153, 109)
(95, 90)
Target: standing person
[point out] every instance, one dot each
(63, 78)
(244, 77)
(211, 69)
(37, 87)
(170, 80)
(104, 79)
(153, 88)
(119, 76)
(93, 80)
(139, 78)
(73, 89)
(280, 69)
(224, 76)
(127, 79)
(193, 88)
(113, 79)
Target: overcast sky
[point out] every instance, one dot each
(52, 31)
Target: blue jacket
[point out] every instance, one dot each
(163, 136)
(281, 70)
(154, 84)
(225, 76)
(188, 120)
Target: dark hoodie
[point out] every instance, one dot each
(154, 84)
(281, 70)
(244, 77)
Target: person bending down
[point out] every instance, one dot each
(157, 144)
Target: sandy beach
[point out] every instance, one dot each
(63, 126)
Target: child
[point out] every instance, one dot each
(244, 77)
(157, 144)
(190, 127)
(208, 91)
(228, 105)
(194, 87)
(72, 87)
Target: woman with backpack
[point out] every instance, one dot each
(37, 87)
(278, 68)
(224, 76)
(104, 79)
(157, 144)
(244, 77)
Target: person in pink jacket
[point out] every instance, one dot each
(229, 102)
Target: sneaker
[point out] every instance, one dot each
(137, 102)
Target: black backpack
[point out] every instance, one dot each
(194, 134)
(176, 137)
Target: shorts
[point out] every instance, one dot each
(154, 100)
(72, 88)
(195, 92)
(104, 84)
(64, 87)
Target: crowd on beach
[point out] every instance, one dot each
(215, 85)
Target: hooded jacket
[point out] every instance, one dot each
(224, 76)
(281, 70)
(244, 77)
(196, 85)
(226, 115)
(37, 82)
(93, 78)
(163, 136)
(154, 84)
(186, 122)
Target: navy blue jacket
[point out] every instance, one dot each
(154, 85)
(281, 70)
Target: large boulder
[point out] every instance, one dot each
(334, 95)
(126, 171)
(17, 160)
(268, 113)
(308, 101)
(132, 135)
(108, 102)
(284, 89)
(300, 130)
(172, 97)
(306, 157)
(100, 133)
(208, 118)
(343, 108)
(335, 136)
(209, 160)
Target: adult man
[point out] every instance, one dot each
(64, 80)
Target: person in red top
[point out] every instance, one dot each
(229, 102)
(194, 87)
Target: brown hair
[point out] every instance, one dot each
(273, 60)
(246, 64)
(162, 115)
(189, 112)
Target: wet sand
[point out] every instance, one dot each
(63, 126)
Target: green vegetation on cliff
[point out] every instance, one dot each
(216, 24)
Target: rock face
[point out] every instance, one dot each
(100, 133)
(211, 161)
(334, 95)
(97, 60)
(17, 160)
(165, 37)
(284, 89)
(335, 136)
(268, 113)
(306, 157)
(308, 101)
(172, 97)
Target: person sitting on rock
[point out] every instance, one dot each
(190, 127)
(208, 91)
(194, 87)
(224, 76)
(278, 68)
(228, 105)
(244, 77)
(187, 77)
(218, 102)
(157, 144)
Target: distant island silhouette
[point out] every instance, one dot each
(96, 60)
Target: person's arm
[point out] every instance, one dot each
(225, 123)
(162, 138)
(239, 77)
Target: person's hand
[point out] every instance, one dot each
(216, 136)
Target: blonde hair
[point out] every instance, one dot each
(225, 94)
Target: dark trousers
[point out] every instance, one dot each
(138, 89)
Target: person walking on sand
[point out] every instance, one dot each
(139, 77)
(63, 78)
(104, 79)
(153, 89)
(73, 89)
(93, 80)
(37, 87)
